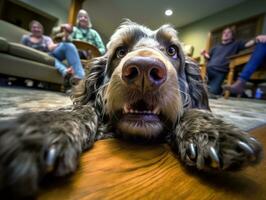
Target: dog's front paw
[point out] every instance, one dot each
(209, 143)
(28, 152)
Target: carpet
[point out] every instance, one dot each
(246, 114)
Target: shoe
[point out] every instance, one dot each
(74, 80)
(212, 96)
(237, 88)
(68, 92)
(67, 81)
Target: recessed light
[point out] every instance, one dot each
(168, 12)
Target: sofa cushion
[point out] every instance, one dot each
(30, 53)
(3, 44)
(11, 32)
(20, 67)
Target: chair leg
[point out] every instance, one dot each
(230, 78)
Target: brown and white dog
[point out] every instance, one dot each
(143, 88)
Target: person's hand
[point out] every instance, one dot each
(66, 30)
(52, 46)
(205, 54)
(261, 39)
(67, 27)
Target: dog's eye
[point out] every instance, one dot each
(121, 52)
(172, 51)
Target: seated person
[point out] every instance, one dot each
(83, 31)
(218, 59)
(59, 51)
(257, 59)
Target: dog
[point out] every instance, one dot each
(143, 88)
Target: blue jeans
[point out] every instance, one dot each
(215, 80)
(68, 51)
(256, 60)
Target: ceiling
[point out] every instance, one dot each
(106, 15)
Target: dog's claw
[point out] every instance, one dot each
(255, 141)
(245, 147)
(215, 161)
(192, 151)
(50, 159)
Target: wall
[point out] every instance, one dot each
(57, 8)
(196, 33)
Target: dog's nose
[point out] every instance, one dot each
(144, 72)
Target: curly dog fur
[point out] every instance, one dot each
(143, 88)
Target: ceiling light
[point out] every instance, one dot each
(168, 12)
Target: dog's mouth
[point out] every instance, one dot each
(140, 119)
(141, 110)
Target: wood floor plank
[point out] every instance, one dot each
(115, 169)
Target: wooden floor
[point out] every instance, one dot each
(117, 170)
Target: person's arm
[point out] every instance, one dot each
(73, 34)
(261, 39)
(50, 44)
(207, 55)
(99, 43)
(61, 33)
(250, 43)
(258, 39)
(24, 40)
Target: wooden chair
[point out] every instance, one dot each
(91, 49)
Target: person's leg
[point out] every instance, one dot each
(60, 67)
(217, 79)
(210, 76)
(72, 56)
(59, 55)
(256, 60)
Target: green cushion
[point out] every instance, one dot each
(10, 31)
(3, 44)
(23, 51)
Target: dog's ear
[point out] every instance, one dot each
(86, 90)
(197, 89)
(192, 86)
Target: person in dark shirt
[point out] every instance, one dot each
(218, 59)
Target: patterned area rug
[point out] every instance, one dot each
(14, 101)
(246, 114)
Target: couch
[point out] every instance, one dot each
(21, 61)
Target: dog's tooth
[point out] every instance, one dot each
(156, 110)
(126, 108)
